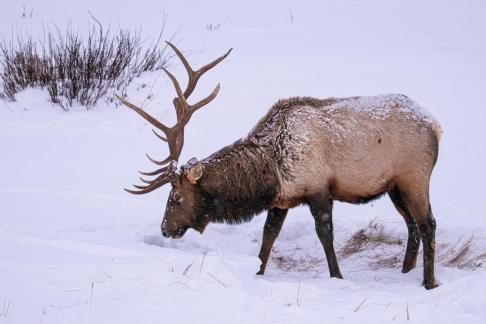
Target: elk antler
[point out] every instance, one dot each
(174, 135)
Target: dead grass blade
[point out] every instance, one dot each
(188, 267)
(222, 283)
(359, 306)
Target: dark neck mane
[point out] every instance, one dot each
(239, 181)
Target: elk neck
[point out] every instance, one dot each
(239, 182)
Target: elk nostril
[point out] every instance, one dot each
(164, 234)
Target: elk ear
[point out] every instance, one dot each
(195, 172)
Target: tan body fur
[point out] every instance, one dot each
(354, 148)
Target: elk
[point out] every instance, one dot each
(303, 151)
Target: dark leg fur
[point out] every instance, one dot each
(273, 225)
(417, 202)
(321, 209)
(427, 229)
(413, 243)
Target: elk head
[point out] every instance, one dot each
(184, 206)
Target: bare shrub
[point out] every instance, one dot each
(74, 69)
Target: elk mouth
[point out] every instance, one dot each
(180, 233)
(177, 234)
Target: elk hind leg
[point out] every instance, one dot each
(427, 228)
(417, 201)
(413, 243)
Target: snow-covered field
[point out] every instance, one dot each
(76, 248)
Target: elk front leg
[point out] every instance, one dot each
(321, 209)
(273, 225)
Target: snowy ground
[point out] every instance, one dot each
(75, 248)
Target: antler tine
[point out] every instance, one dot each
(160, 136)
(193, 76)
(144, 114)
(206, 100)
(181, 57)
(180, 95)
(147, 189)
(163, 162)
(212, 64)
(159, 178)
(154, 122)
(165, 177)
(150, 185)
(158, 171)
(145, 181)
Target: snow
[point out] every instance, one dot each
(381, 106)
(76, 248)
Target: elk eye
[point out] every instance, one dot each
(177, 198)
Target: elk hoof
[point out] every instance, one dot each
(408, 265)
(261, 272)
(407, 269)
(430, 285)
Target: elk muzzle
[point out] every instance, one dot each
(175, 233)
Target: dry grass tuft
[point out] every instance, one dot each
(289, 260)
(382, 261)
(464, 254)
(368, 237)
(456, 256)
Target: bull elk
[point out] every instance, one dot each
(303, 151)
